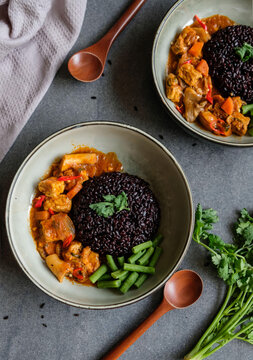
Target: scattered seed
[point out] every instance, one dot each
(75, 314)
(42, 316)
(135, 108)
(42, 305)
(161, 137)
(194, 144)
(93, 97)
(6, 317)
(109, 62)
(45, 325)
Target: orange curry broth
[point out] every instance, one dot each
(106, 163)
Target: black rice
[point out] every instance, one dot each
(231, 76)
(117, 234)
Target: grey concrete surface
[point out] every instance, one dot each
(39, 327)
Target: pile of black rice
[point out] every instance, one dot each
(231, 76)
(117, 234)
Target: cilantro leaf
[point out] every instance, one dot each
(111, 205)
(245, 52)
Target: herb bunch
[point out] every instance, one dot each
(234, 263)
(111, 205)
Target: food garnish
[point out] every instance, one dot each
(203, 25)
(245, 52)
(39, 201)
(234, 263)
(77, 273)
(67, 241)
(111, 205)
(67, 178)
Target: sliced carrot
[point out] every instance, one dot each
(41, 215)
(203, 67)
(74, 190)
(196, 49)
(228, 106)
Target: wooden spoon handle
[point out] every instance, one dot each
(128, 341)
(124, 19)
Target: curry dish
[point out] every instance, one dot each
(190, 86)
(51, 225)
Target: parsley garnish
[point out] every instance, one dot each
(245, 52)
(111, 205)
(234, 264)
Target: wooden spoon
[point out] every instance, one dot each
(180, 291)
(87, 65)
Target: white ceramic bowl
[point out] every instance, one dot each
(140, 155)
(180, 15)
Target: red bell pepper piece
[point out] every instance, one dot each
(67, 178)
(51, 211)
(39, 201)
(209, 94)
(180, 109)
(67, 241)
(203, 25)
(76, 273)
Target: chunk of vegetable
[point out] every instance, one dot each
(41, 215)
(75, 160)
(203, 67)
(228, 106)
(196, 49)
(75, 190)
(98, 273)
(58, 267)
(145, 245)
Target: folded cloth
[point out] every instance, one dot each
(35, 37)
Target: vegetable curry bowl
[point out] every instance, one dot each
(203, 68)
(94, 215)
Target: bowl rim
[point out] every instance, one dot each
(8, 226)
(176, 116)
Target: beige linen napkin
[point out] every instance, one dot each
(35, 37)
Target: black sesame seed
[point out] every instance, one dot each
(93, 97)
(42, 316)
(161, 137)
(45, 325)
(194, 144)
(42, 305)
(135, 108)
(75, 314)
(109, 62)
(6, 317)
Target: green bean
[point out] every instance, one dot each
(125, 276)
(140, 280)
(155, 256)
(146, 256)
(142, 246)
(111, 263)
(98, 273)
(131, 279)
(106, 277)
(121, 261)
(118, 274)
(247, 108)
(109, 284)
(157, 240)
(135, 257)
(139, 268)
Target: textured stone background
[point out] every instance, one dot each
(220, 177)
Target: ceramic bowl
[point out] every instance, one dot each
(179, 16)
(140, 155)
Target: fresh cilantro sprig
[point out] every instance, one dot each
(111, 205)
(234, 264)
(245, 52)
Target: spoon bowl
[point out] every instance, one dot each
(85, 66)
(183, 289)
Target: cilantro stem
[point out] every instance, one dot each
(213, 324)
